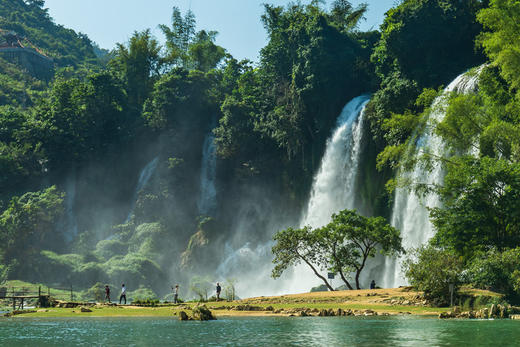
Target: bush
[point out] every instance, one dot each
(96, 292)
(109, 248)
(497, 271)
(432, 270)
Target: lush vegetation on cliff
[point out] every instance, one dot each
(72, 149)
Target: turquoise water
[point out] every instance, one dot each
(282, 331)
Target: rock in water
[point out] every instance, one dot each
(202, 313)
(183, 315)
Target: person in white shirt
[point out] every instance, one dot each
(123, 293)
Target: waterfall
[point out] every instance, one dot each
(207, 201)
(334, 186)
(410, 214)
(144, 177)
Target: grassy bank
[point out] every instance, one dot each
(382, 301)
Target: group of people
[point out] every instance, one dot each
(175, 293)
(121, 297)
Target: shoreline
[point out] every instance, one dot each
(375, 302)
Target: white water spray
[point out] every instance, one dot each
(410, 214)
(207, 201)
(144, 177)
(334, 186)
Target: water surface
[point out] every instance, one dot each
(256, 331)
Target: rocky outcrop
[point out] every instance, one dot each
(492, 312)
(183, 316)
(200, 312)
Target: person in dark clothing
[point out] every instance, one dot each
(123, 294)
(175, 294)
(373, 284)
(107, 293)
(219, 289)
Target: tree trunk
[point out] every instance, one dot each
(345, 280)
(320, 276)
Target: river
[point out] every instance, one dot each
(258, 331)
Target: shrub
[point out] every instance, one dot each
(432, 270)
(497, 271)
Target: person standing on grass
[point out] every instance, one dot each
(107, 293)
(123, 293)
(219, 289)
(175, 294)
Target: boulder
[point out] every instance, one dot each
(183, 316)
(202, 313)
(84, 309)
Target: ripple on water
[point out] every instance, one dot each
(257, 331)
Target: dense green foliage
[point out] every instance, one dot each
(73, 147)
(433, 270)
(343, 246)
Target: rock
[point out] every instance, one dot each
(269, 308)
(84, 309)
(340, 312)
(323, 313)
(515, 316)
(445, 315)
(43, 310)
(183, 315)
(202, 313)
(493, 311)
(303, 314)
(406, 302)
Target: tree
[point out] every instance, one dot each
(481, 209)
(429, 41)
(179, 37)
(139, 63)
(432, 270)
(497, 271)
(292, 246)
(29, 224)
(343, 246)
(502, 41)
(351, 239)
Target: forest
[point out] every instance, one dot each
(104, 174)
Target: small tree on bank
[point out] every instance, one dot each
(343, 246)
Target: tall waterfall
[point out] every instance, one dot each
(410, 214)
(144, 177)
(334, 186)
(207, 201)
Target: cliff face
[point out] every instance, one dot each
(14, 51)
(34, 63)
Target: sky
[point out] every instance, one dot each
(108, 22)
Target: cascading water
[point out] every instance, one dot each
(144, 177)
(333, 188)
(207, 201)
(410, 214)
(334, 185)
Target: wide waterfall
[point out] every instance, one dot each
(207, 201)
(410, 212)
(334, 186)
(144, 177)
